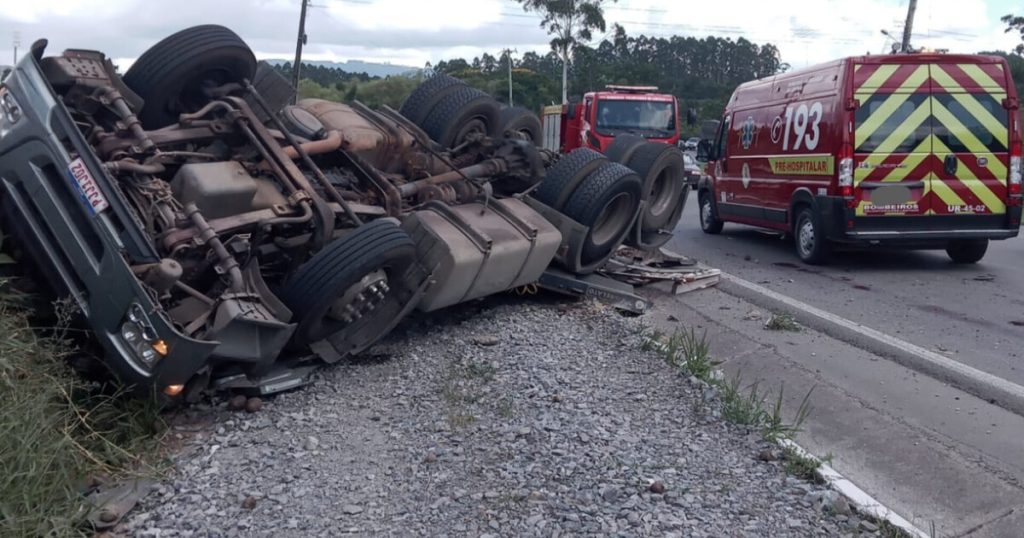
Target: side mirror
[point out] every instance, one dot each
(571, 111)
(704, 151)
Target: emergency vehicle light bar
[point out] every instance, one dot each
(631, 89)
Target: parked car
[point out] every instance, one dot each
(912, 150)
(691, 144)
(694, 170)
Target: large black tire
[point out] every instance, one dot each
(709, 221)
(338, 274)
(967, 251)
(566, 174)
(461, 113)
(621, 149)
(273, 87)
(812, 247)
(171, 75)
(664, 173)
(518, 122)
(606, 202)
(423, 99)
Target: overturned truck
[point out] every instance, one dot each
(211, 233)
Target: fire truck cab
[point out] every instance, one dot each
(603, 115)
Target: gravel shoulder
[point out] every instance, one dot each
(498, 418)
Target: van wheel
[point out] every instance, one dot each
(709, 222)
(967, 251)
(811, 245)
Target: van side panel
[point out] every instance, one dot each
(783, 142)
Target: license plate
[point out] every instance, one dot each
(88, 190)
(894, 195)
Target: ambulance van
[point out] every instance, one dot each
(917, 151)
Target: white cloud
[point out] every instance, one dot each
(30, 11)
(417, 15)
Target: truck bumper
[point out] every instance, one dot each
(842, 225)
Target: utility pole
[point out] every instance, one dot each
(508, 57)
(298, 50)
(908, 28)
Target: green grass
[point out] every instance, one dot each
(782, 322)
(742, 405)
(58, 433)
(801, 466)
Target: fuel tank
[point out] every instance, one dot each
(474, 250)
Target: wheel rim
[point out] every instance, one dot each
(613, 219)
(805, 237)
(705, 213)
(476, 125)
(356, 304)
(661, 194)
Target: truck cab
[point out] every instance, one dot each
(601, 116)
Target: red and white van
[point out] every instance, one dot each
(911, 150)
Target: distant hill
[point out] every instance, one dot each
(359, 66)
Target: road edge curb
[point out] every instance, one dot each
(862, 501)
(988, 387)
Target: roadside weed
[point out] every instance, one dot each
(802, 466)
(742, 405)
(782, 322)
(59, 433)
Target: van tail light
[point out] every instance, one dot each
(1014, 183)
(846, 174)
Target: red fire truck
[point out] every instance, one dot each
(603, 115)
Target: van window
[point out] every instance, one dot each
(895, 123)
(721, 145)
(957, 126)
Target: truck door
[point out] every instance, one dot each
(892, 140)
(971, 142)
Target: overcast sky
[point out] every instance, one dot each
(412, 32)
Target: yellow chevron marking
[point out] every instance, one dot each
(901, 132)
(998, 129)
(857, 67)
(945, 193)
(977, 186)
(875, 81)
(979, 76)
(889, 107)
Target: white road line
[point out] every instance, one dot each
(984, 385)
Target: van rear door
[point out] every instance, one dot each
(892, 139)
(971, 142)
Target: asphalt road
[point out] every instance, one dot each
(973, 314)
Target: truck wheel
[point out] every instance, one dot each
(607, 202)
(353, 289)
(621, 149)
(426, 95)
(811, 244)
(273, 87)
(664, 173)
(518, 122)
(171, 75)
(566, 174)
(967, 251)
(461, 114)
(709, 222)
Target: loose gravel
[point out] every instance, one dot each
(492, 419)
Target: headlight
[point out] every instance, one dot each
(141, 338)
